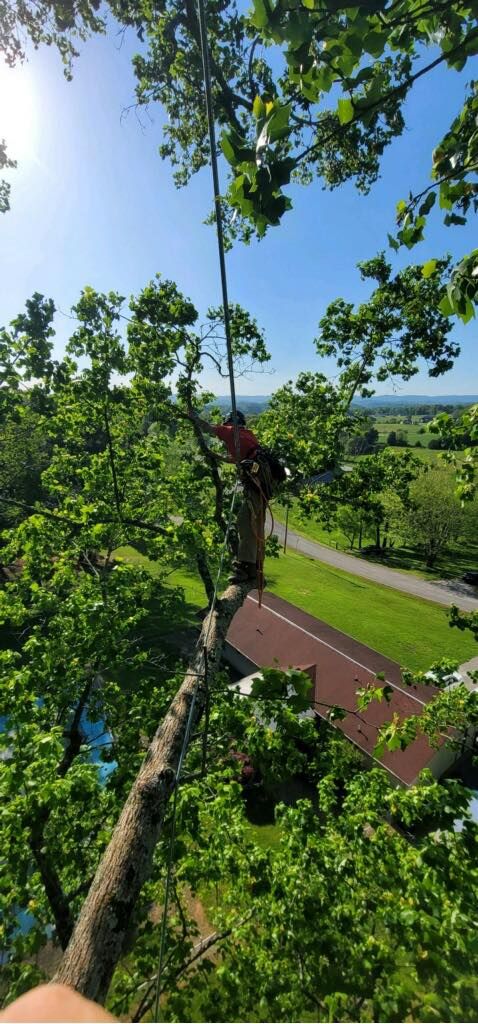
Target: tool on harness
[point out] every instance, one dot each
(277, 469)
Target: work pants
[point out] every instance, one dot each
(250, 524)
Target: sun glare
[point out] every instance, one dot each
(17, 111)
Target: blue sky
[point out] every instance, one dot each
(93, 204)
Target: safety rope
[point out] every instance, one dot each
(218, 213)
(230, 363)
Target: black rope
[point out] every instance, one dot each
(218, 213)
(230, 363)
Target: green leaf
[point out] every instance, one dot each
(228, 150)
(428, 203)
(258, 108)
(393, 243)
(374, 43)
(278, 123)
(429, 268)
(445, 306)
(345, 111)
(260, 16)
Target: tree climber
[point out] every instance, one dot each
(257, 484)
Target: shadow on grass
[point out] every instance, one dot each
(450, 564)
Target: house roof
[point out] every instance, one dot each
(281, 634)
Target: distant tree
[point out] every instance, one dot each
(418, 444)
(450, 432)
(469, 532)
(377, 489)
(354, 523)
(435, 517)
(436, 444)
(364, 444)
(392, 438)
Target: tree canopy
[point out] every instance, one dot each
(111, 692)
(91, 669)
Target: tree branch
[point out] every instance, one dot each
(383, 100)
(199, 950)
(104, 521)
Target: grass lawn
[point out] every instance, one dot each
(310, 528)
(412, 632)
(267, 837)
(191, 584)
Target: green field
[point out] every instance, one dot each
(412, 632)
(385, 424)
(429, 455)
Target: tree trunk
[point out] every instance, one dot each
(203, 570)
(386, 528)
(431, 558)
(216, 478)
(360, 536)
(98, 939)
(377, 535)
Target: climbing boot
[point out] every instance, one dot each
(242, 572)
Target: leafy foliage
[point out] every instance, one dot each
(89, 667)
(400, 324)
(450, 431)
(58, 24)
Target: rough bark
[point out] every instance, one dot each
(98, 939)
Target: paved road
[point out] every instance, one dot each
(441, 593)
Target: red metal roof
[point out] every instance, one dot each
(280, 633)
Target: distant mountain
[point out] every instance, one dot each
(249, 404)
(257, 403)
(382, 400)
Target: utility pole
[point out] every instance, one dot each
(286, 528)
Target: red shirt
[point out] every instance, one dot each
(247, 440)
